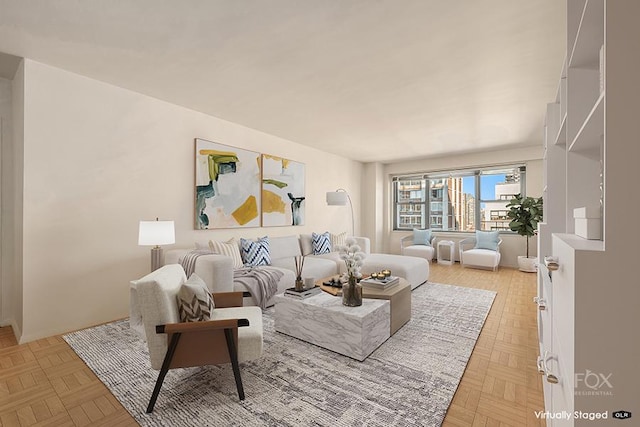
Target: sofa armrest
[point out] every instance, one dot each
(216, 271)
(364, 243)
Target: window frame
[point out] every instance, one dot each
(397, 203)
(426, 204)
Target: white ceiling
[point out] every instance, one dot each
(370, 80)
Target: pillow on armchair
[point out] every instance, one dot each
(195, 303)
(422, 237)
(487, 240)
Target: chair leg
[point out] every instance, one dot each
(163, 371)
(233, 355)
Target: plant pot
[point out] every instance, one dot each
(528, 264)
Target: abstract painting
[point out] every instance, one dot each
(227, 186)
(282, 191)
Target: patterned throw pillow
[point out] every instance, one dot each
(321, 243)
(338, 240)
(255, 253)
(229, 248)
(195, 302)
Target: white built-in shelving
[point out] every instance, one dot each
(588, 140)
(591, 134)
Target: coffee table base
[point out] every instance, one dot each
(400, 299)
(323, 320)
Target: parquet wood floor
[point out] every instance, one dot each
(44, 383)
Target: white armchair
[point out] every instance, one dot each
(479, 258)
(233, 335)
(407, 248)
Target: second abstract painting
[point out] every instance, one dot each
(242, 188)
(282, 191)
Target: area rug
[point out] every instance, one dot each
(408, 381)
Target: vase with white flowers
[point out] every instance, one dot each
(353, 256)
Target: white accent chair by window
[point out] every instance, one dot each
(482, 251)
(419, 244)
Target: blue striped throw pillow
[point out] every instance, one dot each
(255, 253)
(321, 243)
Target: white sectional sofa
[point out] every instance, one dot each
(217, 270)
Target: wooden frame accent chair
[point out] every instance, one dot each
(233, 335)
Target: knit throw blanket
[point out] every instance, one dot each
(189, 260)
(261, 283)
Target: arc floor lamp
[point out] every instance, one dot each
(340, 197)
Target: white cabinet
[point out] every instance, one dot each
(588, 331)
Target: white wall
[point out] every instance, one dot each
(512, 246)
(98, 159)
(373, 205)
(5, 138)
(11, 202)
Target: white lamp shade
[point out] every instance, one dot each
(336, 198)
(153, 233)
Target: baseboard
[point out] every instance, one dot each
(17, 332)
(22, 339)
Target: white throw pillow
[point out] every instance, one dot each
(229, 248)
(338, 240)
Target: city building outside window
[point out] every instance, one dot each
(466, 200)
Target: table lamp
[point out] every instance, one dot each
(156, 233)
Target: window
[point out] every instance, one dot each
(466, 200)
(498, 214)
(410, 199)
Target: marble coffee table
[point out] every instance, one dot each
(323, 320)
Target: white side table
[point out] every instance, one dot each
(445, 252)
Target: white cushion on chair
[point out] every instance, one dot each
(420, 251)
(481, 258)
(249, 337)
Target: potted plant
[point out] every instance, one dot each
(525, 213)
